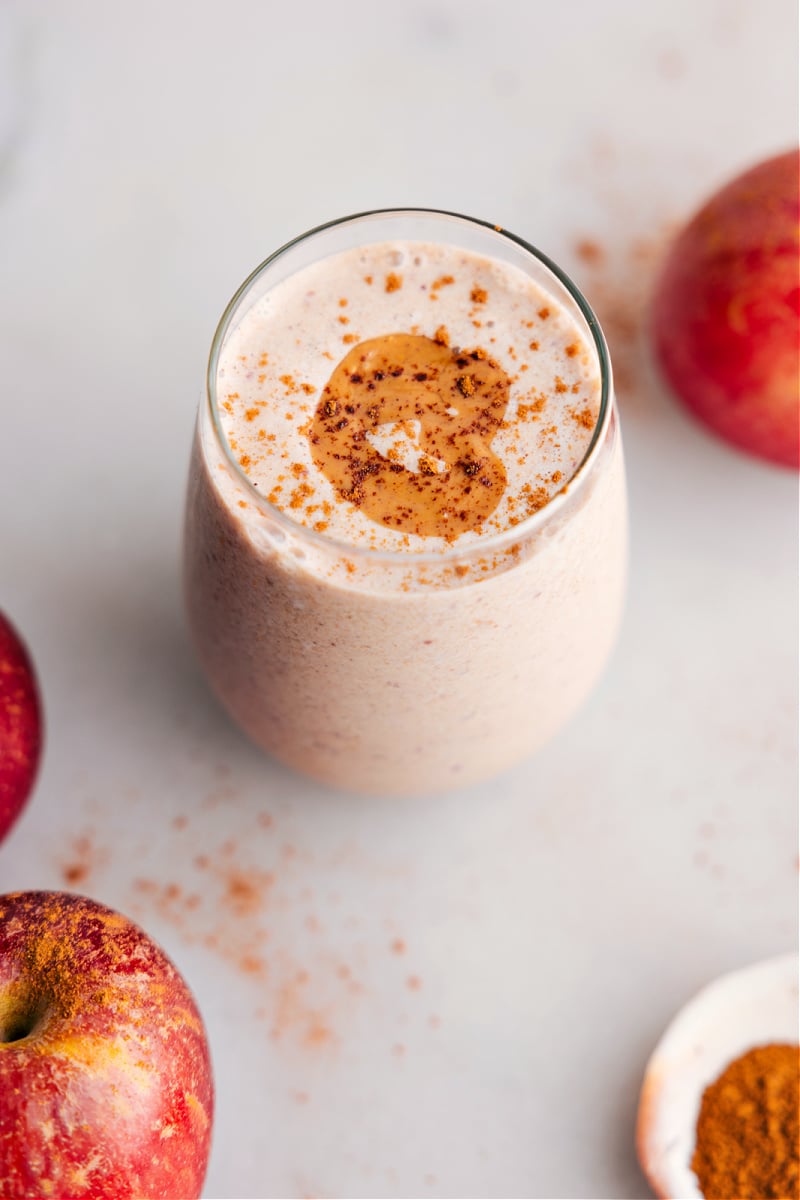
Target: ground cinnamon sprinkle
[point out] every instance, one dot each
(589, 251)
(50, 962)
(84, 858)
(479, 295)
(245, 890)
(54, 951)
(442, 337)
(748, 1133)
(535, 498)
(585, 417)
(300, 495)
(393, 282)
(528, 410)
(618, 281)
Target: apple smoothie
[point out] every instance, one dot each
(406, 530)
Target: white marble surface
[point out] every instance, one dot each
(150, 155)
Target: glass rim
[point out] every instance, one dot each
(451, 552)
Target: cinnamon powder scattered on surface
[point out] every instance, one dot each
(618, 287)
(590, 252)
(249, 901)
(85, 857)
(261, 922)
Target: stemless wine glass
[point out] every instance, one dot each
(389, 671)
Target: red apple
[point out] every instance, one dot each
(20, 726)
(105, 1076)
(725, 312)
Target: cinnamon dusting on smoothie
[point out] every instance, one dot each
(585, 418)
(387, 467)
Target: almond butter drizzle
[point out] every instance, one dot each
(458, 398)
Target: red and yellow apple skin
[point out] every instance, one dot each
(20, 726)
(724, 318)
(105, 1076)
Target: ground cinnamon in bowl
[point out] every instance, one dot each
(748, 1140)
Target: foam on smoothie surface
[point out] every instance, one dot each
(407, 396)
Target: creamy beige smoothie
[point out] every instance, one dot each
(406, 531)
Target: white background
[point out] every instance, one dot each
(552, 921)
